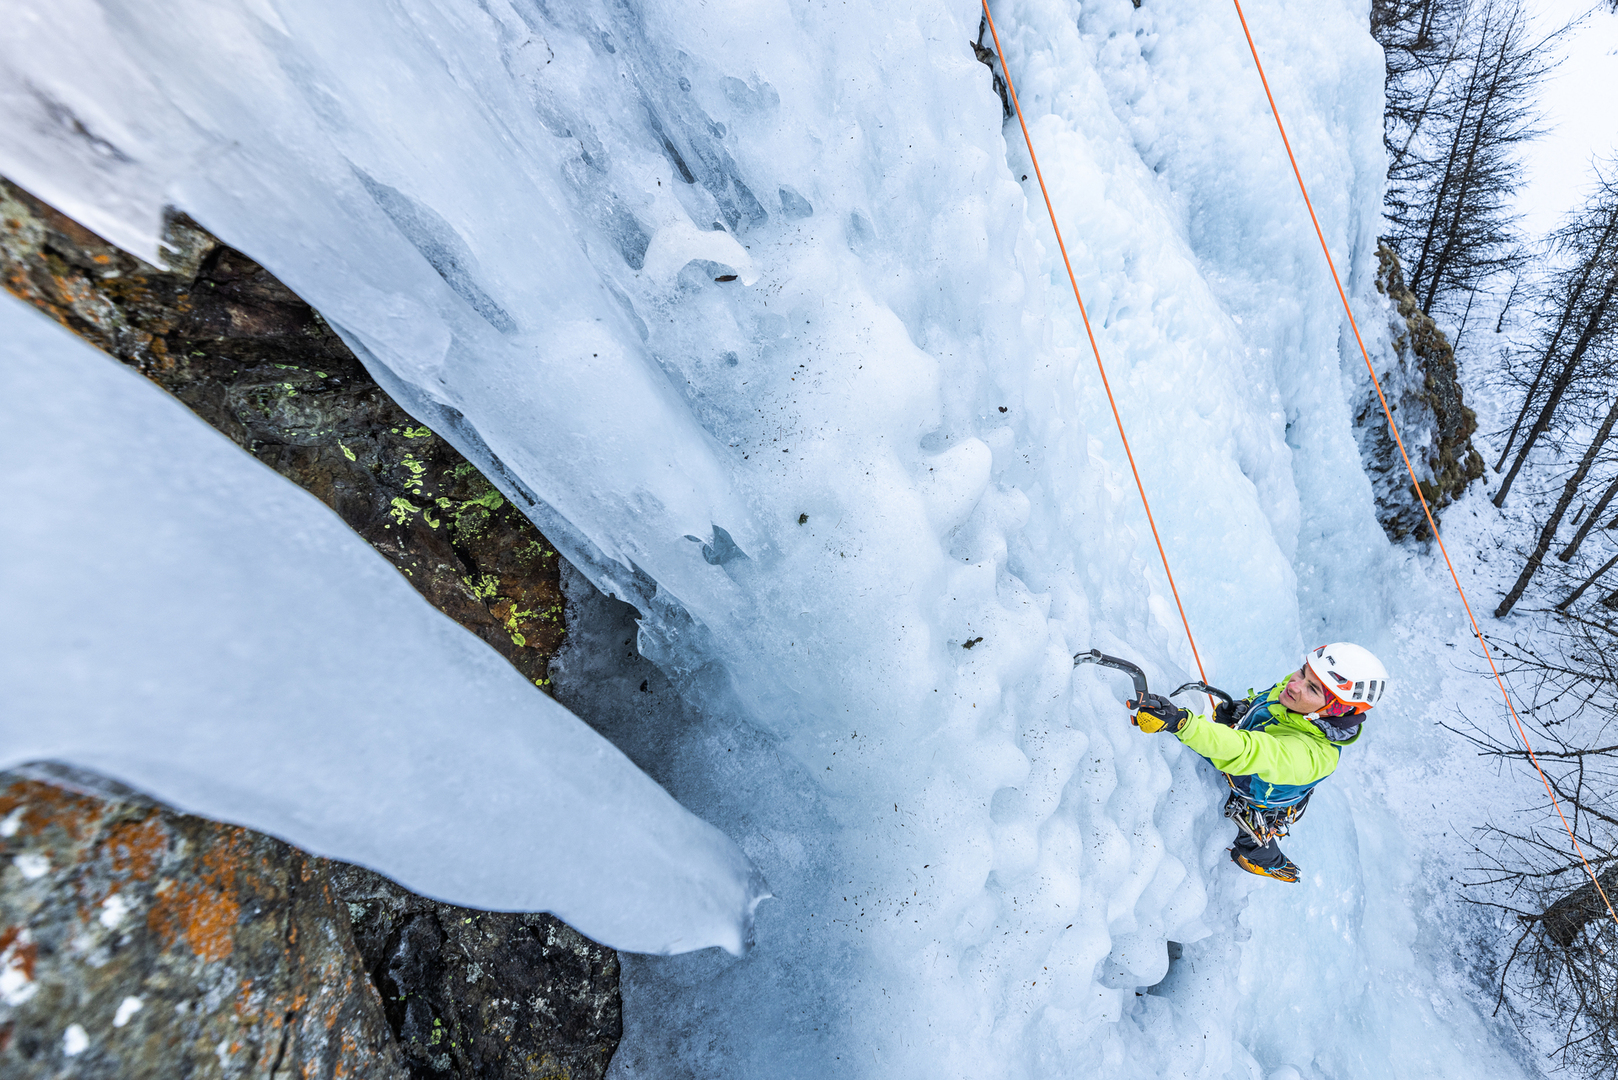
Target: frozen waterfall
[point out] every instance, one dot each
(180, 618)
(753, 306)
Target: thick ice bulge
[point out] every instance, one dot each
(180, 618)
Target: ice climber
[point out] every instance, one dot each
(1275, 747)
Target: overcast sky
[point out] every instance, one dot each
(1581, 112)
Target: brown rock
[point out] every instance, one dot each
(137, 942)
(140, 943)
(248, 356)
(1424, 390)
(484, 994)
(239, 948)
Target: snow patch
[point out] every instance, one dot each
(17, 983)
(127, 1008)
(32, 865)
(113, 910)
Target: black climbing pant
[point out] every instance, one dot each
(1267, 855)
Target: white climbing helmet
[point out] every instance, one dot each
(1350, 674)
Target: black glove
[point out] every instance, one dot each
(1230, 713)
(1157, 713)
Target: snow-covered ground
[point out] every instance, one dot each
(753, 304)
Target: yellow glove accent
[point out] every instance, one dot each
(1147, 722)
(1148, 716)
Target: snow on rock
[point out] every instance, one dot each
(1419, 378)
(127, 1008)
(184, 620)
(888, 439)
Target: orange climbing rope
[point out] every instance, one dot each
(1431, 524)
(1004, 70)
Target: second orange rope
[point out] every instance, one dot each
(1488, 654)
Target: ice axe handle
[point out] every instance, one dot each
(1096, 656)
(1211, 691)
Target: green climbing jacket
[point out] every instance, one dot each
(1275, 756)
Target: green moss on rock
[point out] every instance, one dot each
(248, 356)
(1422, 384)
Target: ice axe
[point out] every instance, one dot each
(1096, 656)
(1211, 691)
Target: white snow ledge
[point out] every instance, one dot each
(182, 619)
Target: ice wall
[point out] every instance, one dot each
(750, 303)
(180, 618)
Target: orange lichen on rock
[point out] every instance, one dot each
(137, 847)
(210, 924)
(18, 951)
(246, 1004)
(207, 913)
(49, 807)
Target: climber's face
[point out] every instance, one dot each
(1303, 692)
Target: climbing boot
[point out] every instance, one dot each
(1286, 871)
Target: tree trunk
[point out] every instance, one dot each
(1464, 187)
(1573, 910)
(1418, 272)
(1421, 113)
(1543, 421)
(1584, 530)
(1548, 533)
(1589, 581)
(1569, 305)
(1500, 319)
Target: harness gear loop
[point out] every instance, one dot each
(1094, 348)
(1261, 823)
(1488, 654)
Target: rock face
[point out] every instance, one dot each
(1423, 389)
(143, 943)
(483, 994)
(136, 942)
(253, 360)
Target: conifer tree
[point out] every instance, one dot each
(1575, 376)
(1461, 80)
(1578, 304)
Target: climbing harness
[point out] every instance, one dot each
(1394, 428)
(1261, 823)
